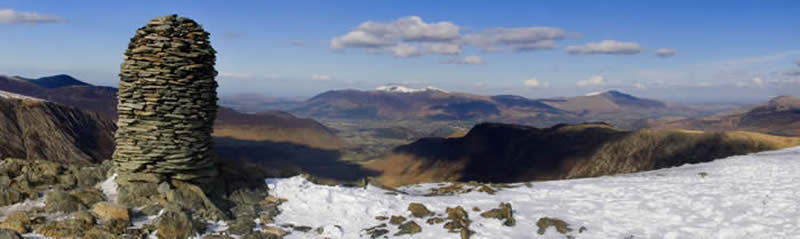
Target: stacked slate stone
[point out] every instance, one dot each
(167, 103)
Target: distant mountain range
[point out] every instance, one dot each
(501, 153)
(268, 126)
(780, 116)
(395, 102)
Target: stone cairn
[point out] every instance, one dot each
(167, 103)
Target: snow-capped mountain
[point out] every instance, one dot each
(404, 89)
(751, 196)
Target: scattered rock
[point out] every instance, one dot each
(381, 218)
(419, 210)
(174, 224)
(70, 228)
(9, 234)
(476, 209)
(435, 220)
(504, 212)
(560, 225)
(217, 237)
(17, 221)
(397, 220)
(302, 228)
(87, 196)
(108, 211)
(259, 235)
(98, 233)
(116, 226)
(58, 201)
(9, 196)
(377, 231)
(274, 231)
(241, 226)
(409, 228)
(84, 217)
(459, 219)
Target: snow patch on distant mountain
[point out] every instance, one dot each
(404, 89)
(750, 196)
(9, 95)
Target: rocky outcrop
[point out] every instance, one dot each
(167, 103)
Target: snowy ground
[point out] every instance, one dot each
(753, 196)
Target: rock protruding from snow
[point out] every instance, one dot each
(751, 196)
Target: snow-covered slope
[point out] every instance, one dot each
(752, 196)
(9, 95)
(404, 89)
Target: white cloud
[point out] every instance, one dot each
(371, 34)
(442, 48)
(9, 16)
(755, 82)
(320, 77)
(360, 39)
(518, 39)
(592, 81)
(605, 47)
(412, 28)
(411, 36)
(758, 82)
(639, 85)
(469, 60)
(404, 50)
(534, 83)
(666, 52)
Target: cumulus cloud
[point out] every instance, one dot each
(534, 83)
(402, 37)
(10, 16)
(320, 77)
(666, 52)
(469, 60)
(592, 81)
(372, 34)
(360, 39)
(605, 47)
(442, 48)
(404, 50)
(518, 39)
(442, 38)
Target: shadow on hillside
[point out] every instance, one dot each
(287, 159)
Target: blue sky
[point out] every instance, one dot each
(712, 50)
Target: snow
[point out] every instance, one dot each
(9, 95)
(751, 196)
(596, 93)
(404, 89)
(109, 188)
(23, 206)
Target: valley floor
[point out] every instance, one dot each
(752, 196)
